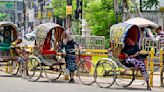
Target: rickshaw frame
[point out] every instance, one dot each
(118, 33)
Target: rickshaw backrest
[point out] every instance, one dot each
(119, 32)
(47, 42)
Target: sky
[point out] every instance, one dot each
(162, 3)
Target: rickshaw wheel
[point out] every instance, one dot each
(53, 72)
(33, 69)
(85, 72)
(125, 78)
(105, 73)
(14, 67)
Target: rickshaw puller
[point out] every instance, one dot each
(69, 45)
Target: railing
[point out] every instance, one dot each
(152, 15)
(159, 65)
(148, 43)
(155, 16)
(90, 42)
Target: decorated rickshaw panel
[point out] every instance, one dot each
(119, 32)
(43, 30)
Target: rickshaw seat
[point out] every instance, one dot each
(4, 46)
(48, 52)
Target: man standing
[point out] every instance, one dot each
(68, 44)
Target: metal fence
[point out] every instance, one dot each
(90, 42)
(155, 16)
(148, 43)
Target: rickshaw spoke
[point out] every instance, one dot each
(34, 69)
(85, 72)
(53, 72)
(105, 73)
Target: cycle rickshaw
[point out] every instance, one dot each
(8, 34)
(43, 59)
(46, 58)
(109, 70)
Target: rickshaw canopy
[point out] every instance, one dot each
(6, 23)
(119, 32)
(44, 34)
(142, 22)
(8, 34)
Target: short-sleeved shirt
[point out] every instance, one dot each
(69, 47)
(130, 49)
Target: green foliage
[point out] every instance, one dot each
(59, 8)
(161, 9)
(150, 3)
(100, 16)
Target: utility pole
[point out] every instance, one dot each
(141, 5)
(16, 17)
(69, 14)
(41, 10)
(116, 9)
(24, 12)
(126, 11)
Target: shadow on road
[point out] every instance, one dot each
(10, 76)
(131, 88)
(56, 81)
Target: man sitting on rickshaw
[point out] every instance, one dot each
(130, 54)
(160, 34)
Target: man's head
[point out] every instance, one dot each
(159, 29)
(66, 37)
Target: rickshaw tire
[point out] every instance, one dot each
(96, 73)
(60, 72)
(131, 80)
(79, 75)
(40, 73)
(11, 67)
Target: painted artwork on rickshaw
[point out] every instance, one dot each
(119, 31)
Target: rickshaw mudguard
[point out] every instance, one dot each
(110, 60)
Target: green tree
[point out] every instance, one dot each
(148, 4)
(100, 16)
(59, 7)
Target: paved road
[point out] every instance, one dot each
(17, 84)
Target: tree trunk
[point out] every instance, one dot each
(126, 12)
(116, 4)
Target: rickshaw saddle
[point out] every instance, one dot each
(48, 52)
